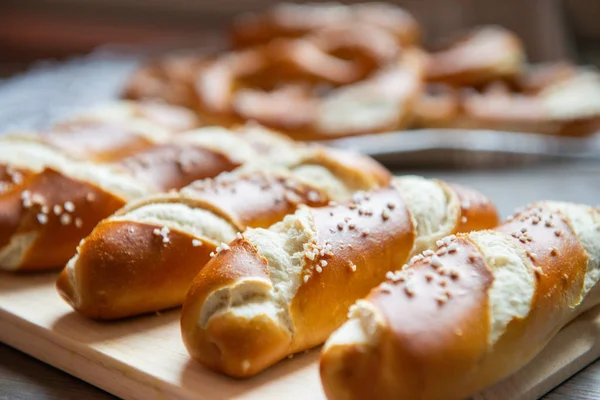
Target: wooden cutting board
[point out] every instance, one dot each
(144, 358)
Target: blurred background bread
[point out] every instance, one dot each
(33, 29)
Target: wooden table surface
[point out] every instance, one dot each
(22, 377)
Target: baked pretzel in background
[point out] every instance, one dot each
(296, 87)
(326, 71)
(168, 78)
(567, 106)
(482, 55)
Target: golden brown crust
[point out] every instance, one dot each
(173, 166)
(112, 270)
(11, 176)
(255, 200)
(476, 210)
(39, 208)
(97, 141)
(374, 235)
(167, 79)
(413, 347)
(435, 341)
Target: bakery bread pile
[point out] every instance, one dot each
(57, 186)
(324, 71)
(470, 311)
(277, 291)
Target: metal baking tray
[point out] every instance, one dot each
(51, 90)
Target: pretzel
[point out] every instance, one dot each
(168, 78)
(289, 20)
(274, 292)
(483, 55)
(44, 216)
(244, 86)
(475, 311)
(537, 77)
(568, 107)
(144, 258)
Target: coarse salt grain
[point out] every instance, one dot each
(196, 243)
(435, 261)
(65, 219)
(69, 206)
(42, 219)
(385, 214)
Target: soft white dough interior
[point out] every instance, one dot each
(29, 154)
(585, 221)
(11, 255)
(432, 209)
(220, 140)
(324, 180)
(181, 217)
(247, 296)
(363, 327)
(513, 287)
(283, 247)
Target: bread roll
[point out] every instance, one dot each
(471, 313)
